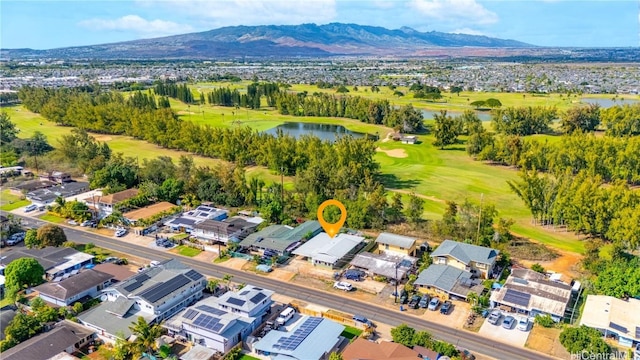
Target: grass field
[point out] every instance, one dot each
(437, 175)
(351, 332)
(247, 357)
(186, 251)
(52, 218)
(14, 205)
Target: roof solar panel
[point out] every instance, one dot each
(235, 301)
(211, 310)
(257, 298)
(194, 275)
(618, 327)
(517, 297)
(161, 290)
(190, 314)
(244, 292)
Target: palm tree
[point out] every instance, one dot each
(212, 285)
(227, 278)
(146, 336)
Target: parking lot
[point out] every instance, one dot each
(456, 317)
(511, 336)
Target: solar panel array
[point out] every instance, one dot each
(517, 297)
(161, 290)
(244, 293)
(193, 275)
(190, 314)
(294, 340)
(257, 298)
(618, 327)
(209, 323)
(211, 310)
(137, 282)
(236, 301)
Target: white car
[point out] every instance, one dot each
(342, 285)
(154, 263)
(120, 232)
(523, 324)
(30, 208)
(72, 222)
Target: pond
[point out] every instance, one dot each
(323, 131)
(607, 103)
(428, 114)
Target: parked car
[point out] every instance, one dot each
(495, 317)
(341, 285)
(424, 302)
(353, 274)
(154, 263)
(433, 304)
(363, 320)
(120, 232)
(446, 307)
(508, 322)
(523, 324)
(30, 208)
(16, 238)
(85, 223)
(467, 355)
(404, 296)
(415, 301)
(72, 222)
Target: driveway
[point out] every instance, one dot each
(457, 316)
(511, 336)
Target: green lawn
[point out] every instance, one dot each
(14, 205)
(7, 197)
(247, 357)
(351, 332)
(186, 251)
(4, 302)
(52, 218)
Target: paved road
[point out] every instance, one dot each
(461, 338)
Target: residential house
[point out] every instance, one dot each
(409, 139)
(147, 219)
(29, 186)
(155, 294)
(66, 336)
(83, 286)
(396, 244)
(188, 220)
(281, 239)
(427, 354)
(7, 314)
(105, 205)
(310, 338)
(361, 349)
(199, 352)
(531, 293)
(48, 196)
(118, 273)
(386, 265)
(220, 323)
(323, 250)
(58, 262)
(56, 176)
(447, 282)
(213, 231)
(614, 317)
(478, 260)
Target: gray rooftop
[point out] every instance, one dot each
(448, 278)
(384, 264)
(6, 315)
(329, 250)
(396, 240)
(73, 285)
(245, 299)
(64, 190)
(48, 257)
(281, 237)
(48, 344)
(313, 338)
(198, 352)
(466, 253)
(102, 317)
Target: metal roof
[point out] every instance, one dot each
(466, 253)
(328, 250)
(396, 240)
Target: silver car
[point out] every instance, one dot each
(494, 317)
(508, 322)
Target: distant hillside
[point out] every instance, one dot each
(306, 40)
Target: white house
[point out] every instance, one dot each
(324, 250)
(155, 294)
(613, 317)
(87, 283)
(221, 323)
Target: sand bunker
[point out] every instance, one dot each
(102, 138)
(396, 153)
(184, 112)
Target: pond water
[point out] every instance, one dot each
(607, 103)
(428, 114)
(323, 131)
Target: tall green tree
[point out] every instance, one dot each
(146, 336)
(21, 273)
(581, 118)
(50, 235)
(403, 334)
(8, 131)
(415, 208)
(445, 130)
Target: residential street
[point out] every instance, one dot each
(460, 338)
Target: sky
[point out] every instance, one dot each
(50, 24)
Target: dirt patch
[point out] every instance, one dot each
(395, 153)
(184, 112)
(547, 341)
(102, 138)
(526, 250)
(206, 256)
(282, 275)
(234, 263)
(566, 263)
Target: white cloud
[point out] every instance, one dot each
(137, 24)
(465, 11)
(217, 13)
(468, 31)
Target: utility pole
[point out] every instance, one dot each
(479, 219)
(282, 185)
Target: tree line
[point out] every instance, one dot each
(251, 99)
(177, 91)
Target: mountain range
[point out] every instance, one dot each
(284, 41)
